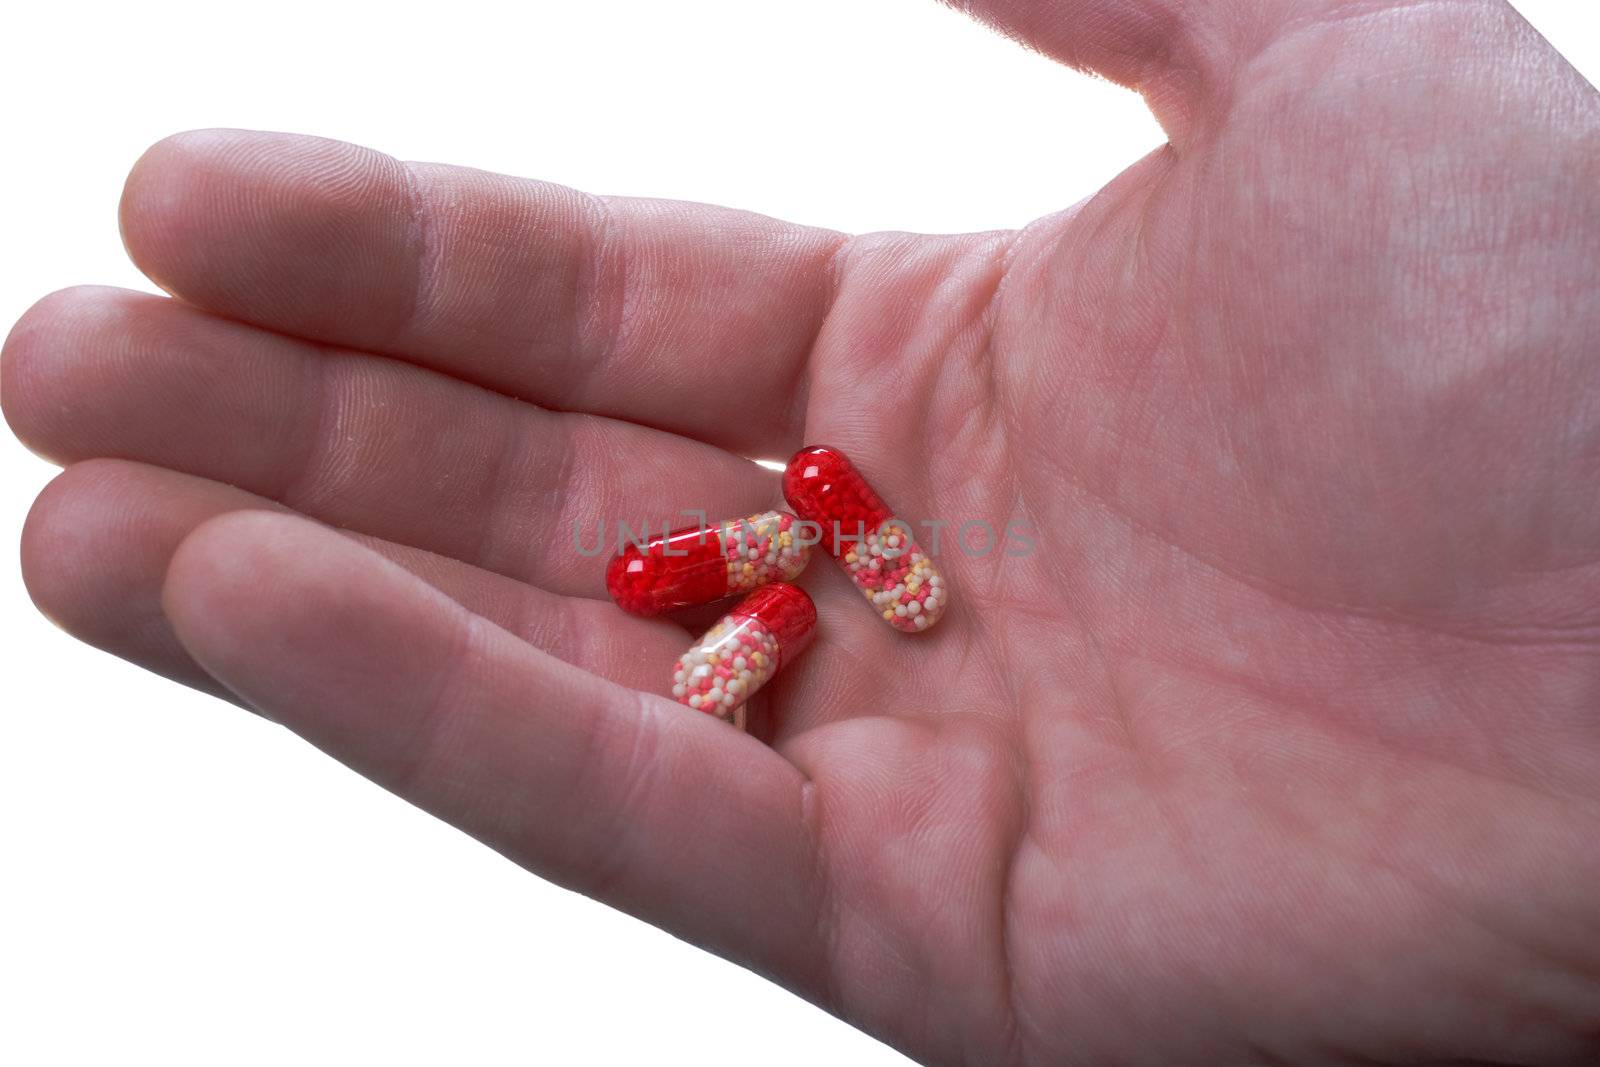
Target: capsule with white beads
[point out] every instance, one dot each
(875, 549)
(761, 634)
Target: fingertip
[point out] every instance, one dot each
(182, 169)
(286, 611)
(91, 560)
(60, 535)
(234, 597)
(232, 569)
(252, 223)
(162, 187)
(41, 390)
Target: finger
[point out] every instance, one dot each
(670, 815)
(690, 318)
(97, 543)
(369, 444)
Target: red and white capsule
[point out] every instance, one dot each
(741, 653)
(877, 550)
(699, 564)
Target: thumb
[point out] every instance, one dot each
(670, 816)
(1178, 54)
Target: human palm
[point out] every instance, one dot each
(1281, 743)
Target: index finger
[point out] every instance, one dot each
(681, 316)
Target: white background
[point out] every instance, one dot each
(185, 884)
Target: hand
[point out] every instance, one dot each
(1284, 744)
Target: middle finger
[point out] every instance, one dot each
(359, 441)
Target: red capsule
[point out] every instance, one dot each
(699, 564)
(746, 647)
(877, 550)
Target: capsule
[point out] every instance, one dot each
(746, 647)
(699, 564)
(877, 550)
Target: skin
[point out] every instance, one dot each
(1282, 746)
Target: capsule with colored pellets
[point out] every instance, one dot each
(699, 564)
(877, 550)
(741, 653)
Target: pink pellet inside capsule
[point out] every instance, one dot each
(743, 650)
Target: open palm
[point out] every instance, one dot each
(1283, 742)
